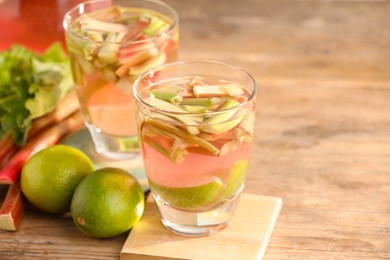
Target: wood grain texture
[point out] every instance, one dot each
(322, 129)
(246, 237)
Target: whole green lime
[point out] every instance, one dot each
(50, 177)
(107, 203)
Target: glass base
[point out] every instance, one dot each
(134, 165)
(191, 223)
(114, 147)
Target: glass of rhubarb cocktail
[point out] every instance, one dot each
(110, 43)
(195, 124)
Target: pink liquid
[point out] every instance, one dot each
(196, 169)
(112, 111)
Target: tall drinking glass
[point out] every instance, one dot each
(110, 43)
(195, 124)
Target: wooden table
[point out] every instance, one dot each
(322, 131)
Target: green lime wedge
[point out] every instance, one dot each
(236, 179)
(189, 197)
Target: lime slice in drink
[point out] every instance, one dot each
(189, 197)
(236, 179)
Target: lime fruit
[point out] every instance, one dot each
(108, 202)
(189, 197)
(236, 179)
(50, 177)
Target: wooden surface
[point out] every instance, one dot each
(150, 239)
(322, 132)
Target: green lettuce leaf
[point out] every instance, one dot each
(31, 85)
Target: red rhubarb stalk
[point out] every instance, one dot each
(7, 145)
(11, 172)
(65, 108)
(12, 209)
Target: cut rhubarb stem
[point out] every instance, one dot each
(155, 27)
(168, 144)
(85, 65)
(12, 209)
(195, 109)
(167, 106)
(108, 14)
(228, 147)
(88, 23)
(222, 127)
(108, 52)
(183, 134)
(247, 123)
(200, 101)
(221, 123)
(135, 59)
(155, 61)
(136, 31)
(11, 172)
(173, 98)
(230, 89)
(230, 104)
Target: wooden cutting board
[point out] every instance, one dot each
(246, 237)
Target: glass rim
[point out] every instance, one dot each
(137, 97)
(67, 29)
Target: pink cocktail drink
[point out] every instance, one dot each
(109, 46)
(196, 128)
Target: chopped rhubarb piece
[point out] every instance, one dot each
(108, 52)
(195, 109)
(227, 147)
(222, 127)
(163, 117)
(155, 27)
(12, 209)
(130, 49)
(169, 107)
(221, 123)
(136, 32)
(231, 106)
(157, 60)
(230, 89)
(200, 101)
(108, 14)
(166, 143)
(85, 65)
(183, 134)
(170, 93)
(95, 36)
(247, 123)
(227, 135)
(158, 137)
(88, 23)
(241, 135)
(135, 59)
(173, 98)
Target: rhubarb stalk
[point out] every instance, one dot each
(12, 209)
(66, 107)
(11, 172)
